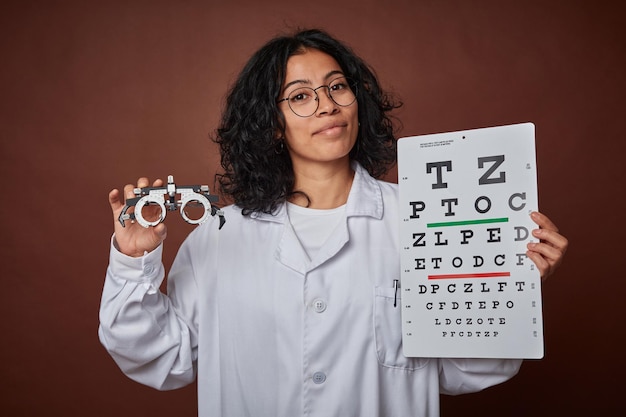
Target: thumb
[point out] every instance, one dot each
(160, 232)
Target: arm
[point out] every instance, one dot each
(152, 337)
(462, 376)
(152, 340)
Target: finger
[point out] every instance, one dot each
(116, 203)
(543, 221)
(114, 198)
(158, 183)
(548, 252)
(129, 191)
(546, 257)
(552, 237)
(160, 231)
(142, 182)
(542, 264)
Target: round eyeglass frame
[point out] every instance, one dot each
(351, 84)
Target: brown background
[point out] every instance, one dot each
(95, 94)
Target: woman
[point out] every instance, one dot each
(277, 314)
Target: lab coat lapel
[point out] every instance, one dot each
(332, 246)
(290, 251)
(365, 199)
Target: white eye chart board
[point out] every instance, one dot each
(468, 289)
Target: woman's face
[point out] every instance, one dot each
(329, 134)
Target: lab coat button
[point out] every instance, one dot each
(319, 377)
(319, 305)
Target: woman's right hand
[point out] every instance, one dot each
(133, 239)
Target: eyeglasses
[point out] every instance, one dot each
(304, 101)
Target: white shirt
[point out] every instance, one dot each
(313, 226)
(270, 333)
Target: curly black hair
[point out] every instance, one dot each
(258, 174)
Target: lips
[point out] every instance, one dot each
(329, 126)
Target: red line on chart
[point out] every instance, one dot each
(478, 275)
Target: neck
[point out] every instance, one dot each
(326, 187)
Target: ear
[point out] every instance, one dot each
(279, 146)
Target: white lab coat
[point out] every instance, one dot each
(270, 333)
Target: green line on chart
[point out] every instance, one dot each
(466, 222)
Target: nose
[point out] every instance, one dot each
(326, 104)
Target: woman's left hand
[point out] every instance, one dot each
(549, 252)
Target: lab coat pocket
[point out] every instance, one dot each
(388, 331)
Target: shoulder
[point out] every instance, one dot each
(388, 188)
(236, 223)
(390, 197)
(370, 196)
(363, 175)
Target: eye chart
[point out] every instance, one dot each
(468, 289)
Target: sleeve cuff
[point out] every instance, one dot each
(147, 268)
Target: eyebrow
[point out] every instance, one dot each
(326, 77)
